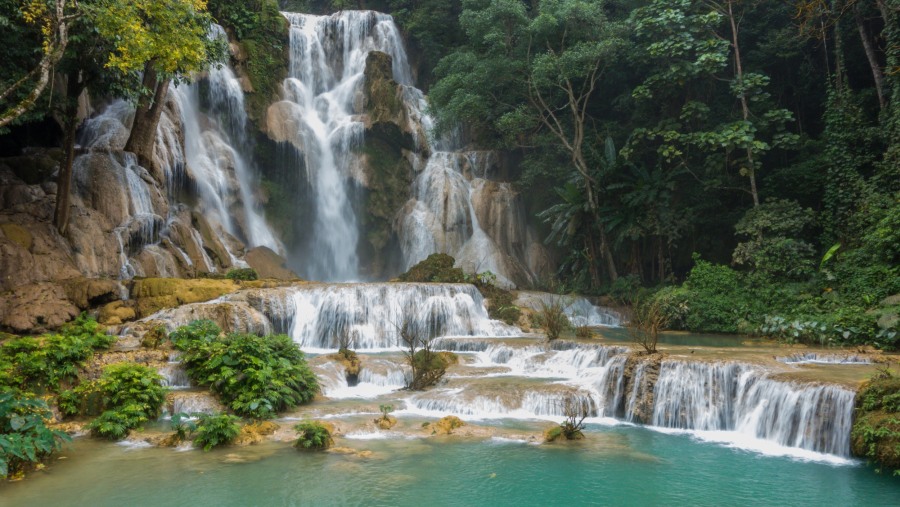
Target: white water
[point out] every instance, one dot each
(817, 358)
(736, 397)
(227, 104)
(327, 62)
(731, 403)
(578, 309)
(371, 315)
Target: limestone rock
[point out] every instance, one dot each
(446, 425)
(116, 313)
(86, 292)
(35, 308)
(269, 264)
(154, 294)
(382, 94)
(386, 423)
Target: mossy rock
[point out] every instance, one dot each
(446, 425)
(386, 423)
(553, 434)
(116, 313)
(876, 428)
(153, 294)
(436, 268)
(155, 337)
(383, 103)
(254, 433)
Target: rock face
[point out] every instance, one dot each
(269, 264)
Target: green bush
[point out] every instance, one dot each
(183, 426)
(128, 394)
(552, 317)
(436, 268)
(876, 427)
(499, 301)
(254, 376)
(216, 429)
(43, 363)
(243, 274)
(772, 245)
(24, 436)
(313, 436)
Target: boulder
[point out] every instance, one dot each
(269, 264)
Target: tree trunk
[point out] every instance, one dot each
(745, 108)
(870, 56)
(54, 43)
(592, 265)
(146, 117)
(74, 87)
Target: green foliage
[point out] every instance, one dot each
(385, 410)
(436, 268)
(170, 34)
(499, 301)
(552, 317)
(244, 274)
(129, 395)
(313, 436)
(771, 245)
(876, 427)
(427, 367)
(718, 302)
(24, 436)
(254, 376)
(214, 430)
(262, 31)
(44, 363)
(183, 425)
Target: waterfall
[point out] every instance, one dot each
(227, 104)
(370, 315)
(327, 62)
(441, 217)
(578, 309)
(817, 358)
(737, 397)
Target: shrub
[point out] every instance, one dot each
(772, 246)
(183, 426)
(647, 320)
(427, 367)
(254, 376)
(436, 268)
(313, 436)
(24, 436)
(573, 425)
(499, 301)
(584, 332)
(552, 317)
(129, 395)
(43, 363)
(243, 274)
(216, 429)
(876, 427)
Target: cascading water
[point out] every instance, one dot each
(213, 155)
(370, 316)
(327, 62)
(227, 104)
(735, 397)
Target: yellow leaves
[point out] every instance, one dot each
(171, 33)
